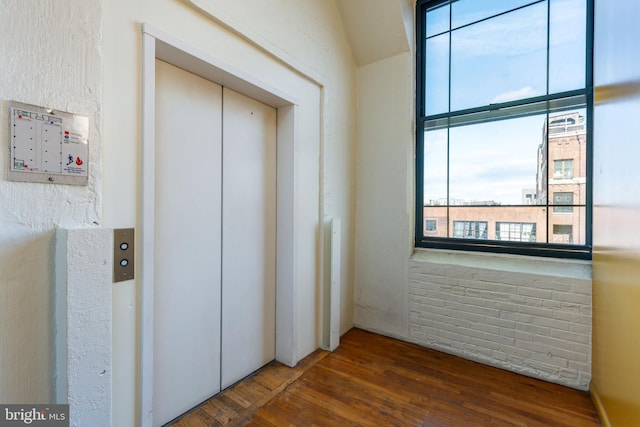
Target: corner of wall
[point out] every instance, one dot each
(83, 324)
(600, 408)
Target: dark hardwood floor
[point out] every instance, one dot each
(372, 380)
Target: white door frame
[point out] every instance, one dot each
(159, 45)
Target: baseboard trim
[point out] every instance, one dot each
(597, 401)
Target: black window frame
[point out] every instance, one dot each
(548, 249)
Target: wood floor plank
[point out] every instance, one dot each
(223, 409)
(246, 394)
(196, 418)
(288, 410)
(346, 402)
(371, 380)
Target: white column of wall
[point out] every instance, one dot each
(83, 324)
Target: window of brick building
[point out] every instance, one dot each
(516, 231)
(470, 229)
(563, 169)
(562, 202)
(562, 233)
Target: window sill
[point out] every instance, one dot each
(557, 267)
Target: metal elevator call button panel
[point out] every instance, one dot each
(123, 253)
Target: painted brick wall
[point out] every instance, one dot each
(84, 283)
(534, 319)
(51, 56)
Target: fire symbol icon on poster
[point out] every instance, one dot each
(78, 161)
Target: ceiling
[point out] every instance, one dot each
(377, 29)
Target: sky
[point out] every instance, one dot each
(494, 61)
(489, 161)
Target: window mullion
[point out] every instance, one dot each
(449, 128)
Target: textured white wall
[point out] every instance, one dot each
(50, 55)
(531, 316)
(384, 194)
(84, 265)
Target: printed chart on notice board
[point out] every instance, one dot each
(48, 146)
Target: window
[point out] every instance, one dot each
(503, 142)
(563, 169)
(430, 225)
(562, 202)
(469, 229)
(516, 231)
(562, 233)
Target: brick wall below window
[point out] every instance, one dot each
(532, 317)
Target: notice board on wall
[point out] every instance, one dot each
(47, 145)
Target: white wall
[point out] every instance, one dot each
(50, 55)
(296, 47)
(83, 324)
(85, 58)
(384, 194)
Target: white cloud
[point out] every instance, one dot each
(525, 92)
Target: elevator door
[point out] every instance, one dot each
(248, 236)
(214, 265)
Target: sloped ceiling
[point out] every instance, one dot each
(377, 29)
